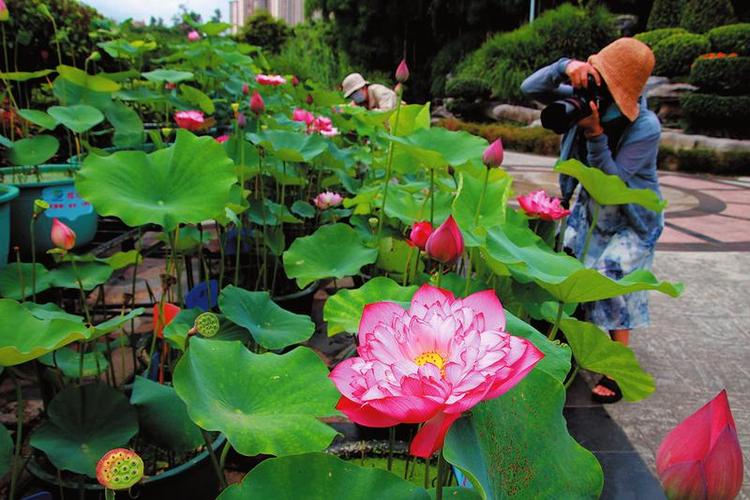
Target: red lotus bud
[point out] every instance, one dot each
(245, 88)
(62, 236)
(402, 72)
(257, 105)
(493, 155)
(446, 243)
(420, 233)
(309, 99)
(295, 80)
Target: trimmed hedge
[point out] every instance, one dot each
(699, 16)
(676, 53)
(704, 160)
(665, 14)
(468, 88)
(716, 114)
(724, 75)
(525, 139)
(651, 38)
(731, 38)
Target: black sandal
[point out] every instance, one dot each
(610, 384)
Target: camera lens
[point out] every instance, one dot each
(563, 114)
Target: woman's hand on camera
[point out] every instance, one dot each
(578, 72)
(591, 125)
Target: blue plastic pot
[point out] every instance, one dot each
(7, 195)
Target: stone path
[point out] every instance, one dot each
(697, 344)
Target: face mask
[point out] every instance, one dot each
(359, 96)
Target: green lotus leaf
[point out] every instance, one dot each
(6, 450)
(472, 192)
(269, 324)
(456, 493)
(69, 93)
(518, 445)
(128, 126)
(303, 209)
(343, 310)
(168, 75)
(609, 189)
(94, 83)
(68, 361)
(556, 361)
(438, 147)
(38, 118)
(176, 331)
(23, 76)
(163, 416)
(411, 117)
(319, 476)
(113, 324)
(292, 146)
(333, 251)
(84, 423)
(396, 257)
(79, 117)
(263, 403)
(34, 150)
(594, 350)
(91, 274)
(197, 98)
(186, 183)
(410, 207)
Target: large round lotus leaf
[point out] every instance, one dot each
(168, 75)
(6, 450)
(38, 118)
(270, 325)
(68, 362)
(83, 424)
(163, 416)
(94, 83)
(128, 126)
(78, 118)
(292, 146)
(333, 251)
(438, 147)
(187, 182)
(318, 476)
(263, 403)
(494, 198)
(23, 76)
(34, 150)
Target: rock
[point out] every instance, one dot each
(670, 91)
(626, 23)
(520, 114)
(678, 140)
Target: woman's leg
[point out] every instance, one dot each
(623, 337)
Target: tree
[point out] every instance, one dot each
(700, 16)
(665, 14)
(265, 31)
(216, 17)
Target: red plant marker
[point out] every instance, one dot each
(170, 311)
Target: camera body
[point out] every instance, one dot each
(561, 115)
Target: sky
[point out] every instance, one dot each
(142, 10)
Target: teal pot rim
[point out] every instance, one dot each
(37, 471)
(8, 173)
(8, 192)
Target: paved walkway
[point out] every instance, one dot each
(699, 343)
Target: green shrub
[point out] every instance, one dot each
(704, 160)
(699, 16)
(507, 58)
(725, 75)
(731, 38)
(265, 31)
(676, 53)
(468, 88)
(651, 38)
(717, 115)
(665, 14)
(526, 139)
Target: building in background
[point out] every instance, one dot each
(291, 11)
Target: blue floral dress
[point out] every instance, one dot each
(624, 238)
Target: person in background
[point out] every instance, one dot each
(373, 96)
(621, 139)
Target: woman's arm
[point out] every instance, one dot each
(546, 84)
(631, 158)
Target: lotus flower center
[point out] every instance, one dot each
(430, 357)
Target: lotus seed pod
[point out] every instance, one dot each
(207, 324)
(119, 469)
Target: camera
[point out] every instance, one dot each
(563, 114)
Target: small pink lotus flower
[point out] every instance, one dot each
(193, 36)
(309, 100)
(241, 120)
(189, 120)
(62, 236)
(257, 105)
(701, 457)
(304, 116)
(446, 243)
(119, 469)
(430, 363)
(493, 155)
(272, 80)
(295, 80)
(222, 138)
(245, 88)
(420, 233)
(539, 204)
(402, 72)
(327, 199)
(324, 126)
(170, 86)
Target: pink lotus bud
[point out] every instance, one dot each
(245, 88)
(170, 86)
(62, 236)
(701, 457)
(241, 120)
(193, 36)
(493, 155)
(538, 205)
(328, 199)
(420, 233)
(295, 80)
(222, 139)
(446, 243)
(309, 99)
(189, 120)
(257, 105)
(4, 13)
(402, 72)
(119, 469)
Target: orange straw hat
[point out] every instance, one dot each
(625, 65)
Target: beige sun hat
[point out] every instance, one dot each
(352, 83)
(625, 65)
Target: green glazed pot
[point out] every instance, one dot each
(53, 184)
(7, 195)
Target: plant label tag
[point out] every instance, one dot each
(65, 203)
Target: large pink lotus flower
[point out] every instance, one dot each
(189, 120)
(446, 243)
(701, 457)
(430, 363)
(303, 116)
(193, 36)
(62, 236)
(539, 204)
(272, 80)
(328, 199)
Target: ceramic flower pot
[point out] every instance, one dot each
(53, 184)
(7, 195)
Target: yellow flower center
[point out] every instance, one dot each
(430, 357)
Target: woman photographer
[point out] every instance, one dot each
(620, 136)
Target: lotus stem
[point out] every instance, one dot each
(589, 233)
(432, 197)
(467, 271)
(427, 473)
(556, 326)
(440, 274)
(442, 466)
(481, 196)
(20, 274)
(223, 457)
(238, 247)
(214, 461)
(391, 444)
(19, 436)
(159, 326)
(388, 168)
(572, 377)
